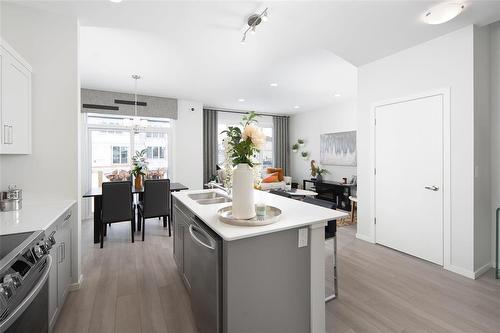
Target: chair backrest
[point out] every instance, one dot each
(116, 201)
(156, 197)
(331, 227)
(281, 193)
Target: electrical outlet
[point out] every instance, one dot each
(303, 232)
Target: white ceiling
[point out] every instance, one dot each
(191, 50)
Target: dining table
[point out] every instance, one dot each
(96, 193)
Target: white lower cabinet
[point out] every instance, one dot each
(60, 271)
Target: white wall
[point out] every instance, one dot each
(443, 62)
(495, 122)
(188, 145)
(482, 191)
(50, 44)
(309, 125)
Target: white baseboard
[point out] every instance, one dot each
(365, 238)
(482, 270)
(77, 285)
(461, 271)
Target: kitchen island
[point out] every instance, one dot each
(252, 279)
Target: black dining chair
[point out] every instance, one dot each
(281, 193)
(156, 203)
(330, 232)
(117, 206)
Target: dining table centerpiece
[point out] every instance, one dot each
(242, 143)
(139, 168)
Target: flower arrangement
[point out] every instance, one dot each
(139, 163)
(317, 171)
(242, 145)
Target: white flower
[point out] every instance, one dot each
(255, 134)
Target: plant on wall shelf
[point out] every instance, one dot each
(301, 142)
(305, 155)
(295, 147)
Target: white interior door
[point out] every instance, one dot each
(409, 177)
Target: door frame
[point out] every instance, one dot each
(446, 172)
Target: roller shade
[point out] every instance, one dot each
(109, 102)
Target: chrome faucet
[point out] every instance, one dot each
(213, 185)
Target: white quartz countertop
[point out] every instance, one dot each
(33, 216)
(295, 214)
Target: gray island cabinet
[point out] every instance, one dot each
(252, 279)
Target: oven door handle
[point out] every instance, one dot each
(28, 299)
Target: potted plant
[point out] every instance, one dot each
(295, 147)
(317, 171)
(139, 167)
(301, 142)
(305, 155)
(241, 145)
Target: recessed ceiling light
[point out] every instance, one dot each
(296, 107)
(337, 95)
(274, 84)
(241, 99)
(115, 1)
(443, 12)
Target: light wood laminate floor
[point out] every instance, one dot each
(136, 288)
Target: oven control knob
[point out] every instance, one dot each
(51, 240)
(37, 250)
(5, 291)
(45, 246)
(13, 280)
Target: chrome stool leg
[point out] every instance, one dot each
(335, 283)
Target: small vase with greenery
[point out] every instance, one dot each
(242, 144)
(139, 167)
(317, 171)
(305, 155)
(301, 142)
(295, 147)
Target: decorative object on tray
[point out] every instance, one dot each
(317, 171)
(241, 147)
(305, 155)
(295, 147)
(270, 216)
(139, 167)
(338, 148)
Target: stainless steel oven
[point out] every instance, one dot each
(24, 269)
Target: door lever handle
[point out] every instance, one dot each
(432, 188)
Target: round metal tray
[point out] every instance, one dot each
(272, 216)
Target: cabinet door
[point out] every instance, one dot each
(64, 264)
(16, 106)
(178, 240)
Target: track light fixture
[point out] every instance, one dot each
(253, 21)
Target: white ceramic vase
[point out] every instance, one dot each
(243, 200)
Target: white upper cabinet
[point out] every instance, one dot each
(15, 105)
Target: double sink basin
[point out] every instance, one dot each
(209, 198)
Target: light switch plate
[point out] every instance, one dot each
(303, 237)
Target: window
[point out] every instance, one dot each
(226, 119)
(112, 141)
(120, 155)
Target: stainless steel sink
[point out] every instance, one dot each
(205, 195)
(220, 199)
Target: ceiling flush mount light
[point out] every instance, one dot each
(253, 21)
(241, 100)
(116, 1)
(443, 12)
(296, 107)
(274, 84)
(337, 95)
